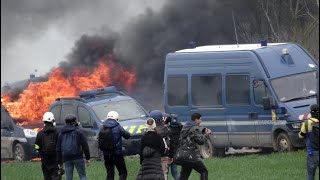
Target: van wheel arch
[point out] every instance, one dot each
(275, 134)
(211, 149)
(207, 149)
(19, 152)
(282, 142)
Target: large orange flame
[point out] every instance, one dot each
(36, 98)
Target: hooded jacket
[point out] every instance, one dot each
(118, 133)
(48, 128)
(306, 132)
(191, 136)
(165, 133)
(48, 159)
(82, 142)
(152, 148)
(175, 128)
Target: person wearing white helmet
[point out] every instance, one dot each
(45, 144)
(113, 155)
(113, 115)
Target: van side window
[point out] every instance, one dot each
(260, 90)
(84, 117)
(237, 89)
(206, 90)
(65, 110)
(5, 121)
(56, 112)
(177, 90)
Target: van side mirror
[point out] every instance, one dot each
(267, 103)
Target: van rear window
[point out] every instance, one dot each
(177, 88)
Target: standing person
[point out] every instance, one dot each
(309, 131)
(152, 148)
(113, 156)
(165, 133)
(175, 128)
(45, 144)
(191, 136)
(71, 146)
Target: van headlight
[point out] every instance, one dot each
(29, 133)
(296, 125)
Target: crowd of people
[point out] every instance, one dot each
(164, 137)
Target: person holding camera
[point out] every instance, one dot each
(310, 131)
(175, 128)
(71, 146)
(166, 134)
(191, 136)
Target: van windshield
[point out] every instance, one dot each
(127, 109)
(295, 87)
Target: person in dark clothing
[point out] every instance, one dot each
(76, 158)
(175, 128)
(45, 144)
(312, 148)
(152, 148)
(195, 136)
(165, 133)
(115, 157)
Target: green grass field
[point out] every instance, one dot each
(278, 166)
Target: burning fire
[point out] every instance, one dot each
(35, 100)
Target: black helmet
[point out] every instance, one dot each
(156, 115)
(314, 110)
(314, 107)
(167, 118)
(70, 118)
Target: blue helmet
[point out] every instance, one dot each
(156, 115)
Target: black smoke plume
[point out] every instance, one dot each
(144, 42)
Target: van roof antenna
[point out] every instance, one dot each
(235, 29)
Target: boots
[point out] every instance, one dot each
(122, 177)
(204, 175)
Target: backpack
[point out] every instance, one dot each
(314, 139)
(106, 139)
(315, 135)
(49, 142)
(69, 144)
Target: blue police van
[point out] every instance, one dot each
(91, 108)
(249, 95)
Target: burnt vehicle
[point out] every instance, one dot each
(91, 108)
(16, 142)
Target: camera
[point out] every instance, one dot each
(61, 171)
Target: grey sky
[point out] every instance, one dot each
(38, 34)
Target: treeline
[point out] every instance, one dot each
(281, 21)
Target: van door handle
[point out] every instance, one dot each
(253, 115)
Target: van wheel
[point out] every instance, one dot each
(283, 143)
(19, 153)
(206, 150)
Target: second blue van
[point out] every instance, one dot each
(249, 95)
